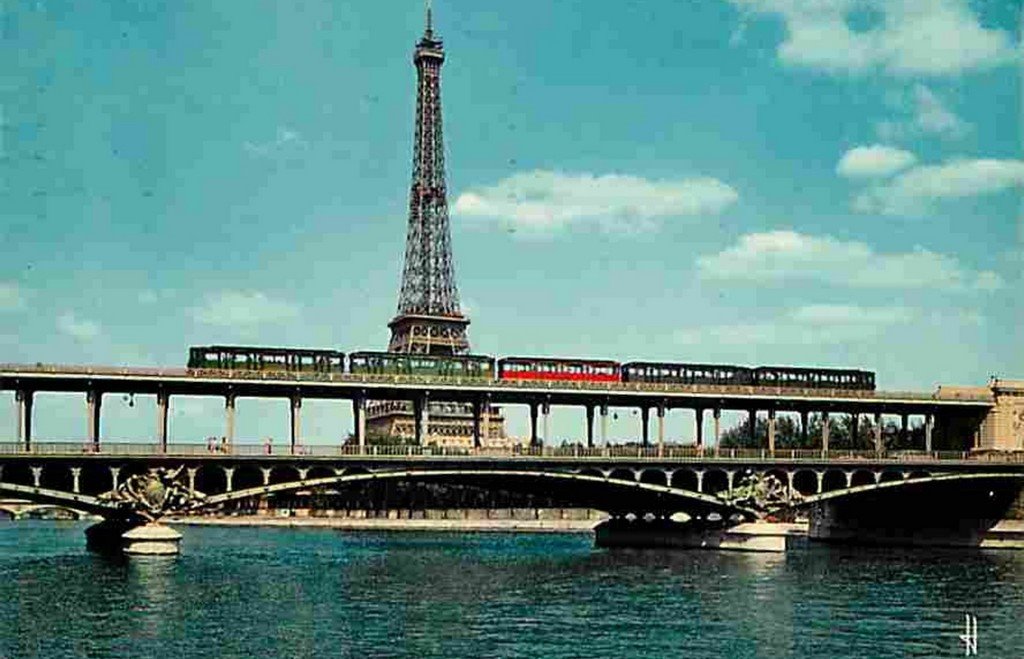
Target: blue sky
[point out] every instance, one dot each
(835, 182)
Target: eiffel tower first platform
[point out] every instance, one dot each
(429, 320)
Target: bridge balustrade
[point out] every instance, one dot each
(576, 452)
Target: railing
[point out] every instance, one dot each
(631, 453)
(437, 381)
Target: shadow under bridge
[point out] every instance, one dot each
(611, 495)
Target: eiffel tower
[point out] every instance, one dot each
(429, 319)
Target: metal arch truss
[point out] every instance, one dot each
(428, 278)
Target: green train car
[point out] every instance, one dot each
(395, 363)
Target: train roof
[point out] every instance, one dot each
(562, 360)
(689, 364)
(385, 353)
(812, 369)
(269, 350)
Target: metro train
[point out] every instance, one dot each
(295, 360)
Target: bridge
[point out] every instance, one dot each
(141, 482)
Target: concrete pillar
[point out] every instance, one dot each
(486, 419)
(115, 473)
(804, 423)
(904, 422)
(266, 475)
(93, 404)
(476, 423)
(699, 426)
(590, 425)
(534, 408)
(821, 480)
(661, 428)
(645, 422)
(229, 475)
(731, 477)
(771, 431)
(790, 474)
(879, 447)
(546, 427)
(849, 478)
(163, 403)
(717, 415)
(229, 418)
(421, 420)
(23, 399)
(752, 422)
(700, 480)
(854, 428)
(929, 423)
(303, 473)
(191, 471)
(604, 425)
(37, 475)
(359, 421)
(296, 422)
(76, 474)
(825, 427)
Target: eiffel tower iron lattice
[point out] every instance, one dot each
(429, 319)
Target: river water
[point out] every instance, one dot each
(273, 592)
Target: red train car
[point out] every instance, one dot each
(549, 368)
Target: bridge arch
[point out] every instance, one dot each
(246, 476)
(716, 481)
(654, 476)
(211, 479)
(862, 477)
(17, 473)
(56, 477)
(592, 472)
(889, 476)
(574, 488)
(805, 482)
(834, 479)
(283, 473)
(871, 488)
(623, 474)
(685, 479)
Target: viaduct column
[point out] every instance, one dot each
(854, 428)
(824, 431)
(163, 404)
(359, 420)
(699, 426)
(477, 410)
(93, 403)
(229, 418)
(604, 424)
(752, 430)
(878, 432)
(534, 408)
(929, 423)
(486, 418)
(421, 413)
(296, 421)
(545, 409)
(590, 425)
(645, 422)
(661, 428)
(23, 399)
(804, 420)
(717, 415)
(904, 419)
(771, 431)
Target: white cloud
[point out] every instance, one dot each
(11, 296)
(915, 189)
(807, 325)
(243, 309)
(546, 200)
(902, 37)
(77, 328)
(874, 161)
(778, 256)
(924, 113)
(284, 137)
